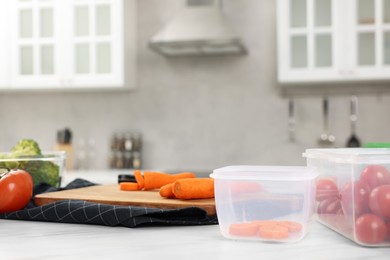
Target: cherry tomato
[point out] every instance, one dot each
(380, 201)
(370, 229)
(328, 209)
(388, 230)
(326, 188)
(375, 175)
(330, 206)
(355, 198)
(16, 188)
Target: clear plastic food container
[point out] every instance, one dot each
(353, 192)
(264, 203)
(47, 168)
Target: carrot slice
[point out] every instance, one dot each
(166, 191)
(139, 179)
(273, 232)
(291, 225)
(243, 229)
(128, 186)
(245, 187)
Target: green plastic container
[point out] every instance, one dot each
(376, 145)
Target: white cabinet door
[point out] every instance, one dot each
(57, 44)
(369, 32)
(35, 48)
(96, 43)
(308, 34)
(333, 40)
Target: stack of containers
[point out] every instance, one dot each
(265, 203)
(353, 192)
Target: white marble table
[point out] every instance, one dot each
(42, 240)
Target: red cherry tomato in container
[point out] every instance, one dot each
(326, 188)
(380, 201)
(16, 188)
(388, 230)
(370, 229)
(330, 205)
(355, 197)
(375, 175)
(330, 212)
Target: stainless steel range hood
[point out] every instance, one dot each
(199, 29)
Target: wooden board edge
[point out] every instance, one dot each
(210, 209)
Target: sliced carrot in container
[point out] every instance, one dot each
(260, 223)
(273, 232)
(243, 229)
(241, 187)
(291, 225)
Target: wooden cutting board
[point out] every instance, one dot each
(111, 194)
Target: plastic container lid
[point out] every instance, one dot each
(271, 173)
(376, 145)
(350, 155)
(46, 156)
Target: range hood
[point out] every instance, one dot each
(199, 29)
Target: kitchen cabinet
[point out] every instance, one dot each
(71, 44)
(331, 40)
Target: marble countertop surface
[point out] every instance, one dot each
(44, 240)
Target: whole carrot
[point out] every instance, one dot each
(155, 180)
(198, 188)
(166, 191)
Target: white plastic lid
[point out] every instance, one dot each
(269, 173)
(350, 155)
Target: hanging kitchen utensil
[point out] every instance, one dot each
(326, 138)
(291, 121)
(353, 140)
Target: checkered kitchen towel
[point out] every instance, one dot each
(82, 212)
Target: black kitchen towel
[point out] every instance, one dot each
(83, 212)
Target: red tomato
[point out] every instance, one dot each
(388, 230)
(16, 189)
(355, 197)
(370, 229)
(329, 206)
(326, 188)
(328, 209)
(380, 201)
(375, 175)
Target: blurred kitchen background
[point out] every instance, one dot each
(200, 112)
